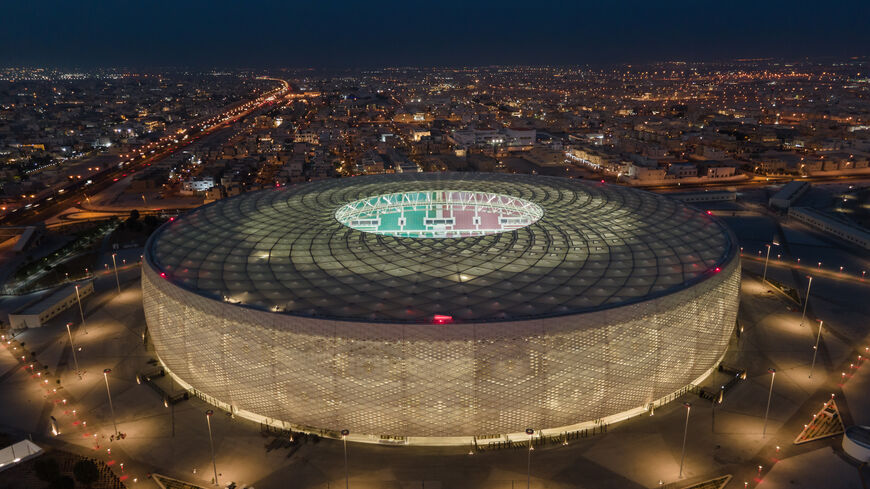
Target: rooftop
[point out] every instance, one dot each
(593, 246)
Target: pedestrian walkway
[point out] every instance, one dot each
(169, 483)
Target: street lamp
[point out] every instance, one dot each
(806, 301)
(769, 395)
(81, 311)
(816, 348)
(73, 348)
(685, 435)
(106, 373)
(764, 275)
(211, 443)
(115, 264)
(344, 434)
(531, 433)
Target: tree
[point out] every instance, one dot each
(46, 468)
(86, 472)
(134, 216)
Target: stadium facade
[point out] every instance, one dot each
(437, 308)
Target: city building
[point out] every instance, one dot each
(197, 184)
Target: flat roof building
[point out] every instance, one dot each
(831, 225)
(38, 312)
(788, 194)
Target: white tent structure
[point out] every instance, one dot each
(18, 452)
(856, 442)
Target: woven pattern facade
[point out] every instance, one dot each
(612, 299)
(441, 380)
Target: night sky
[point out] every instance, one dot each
(354, 34)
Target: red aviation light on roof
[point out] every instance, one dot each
(162, 274)
(442, 319)
(717, 270)
(709, 213)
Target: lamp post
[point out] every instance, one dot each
(73, 348)
(531, 433)
(716, 401)
(115, 264)
(816, 348)
(81, 311)
(344, 434)
(764, 275)
(685, 436)
(106, 373)
(806, 301)
(211, 443)
(769, 395)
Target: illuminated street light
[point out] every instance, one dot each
(344, 434)
(81, 311)
(115, 264)
(211, 443)
(769, 395)
(106, 373)
(764, 275)
(685, 436)
(531, 433)
(816, 348)
(806, 301)
(73, 348)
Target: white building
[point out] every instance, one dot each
(645, 173)
(518, 136)
(710, 196)
(38, 312)
(788, 194)
(197, 184)
(418, 134)
(721, 171)
(487, 136)
(831, 225)
(683, 170)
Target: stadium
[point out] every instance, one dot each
(441, 308)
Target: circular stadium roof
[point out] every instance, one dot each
(583, 246)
